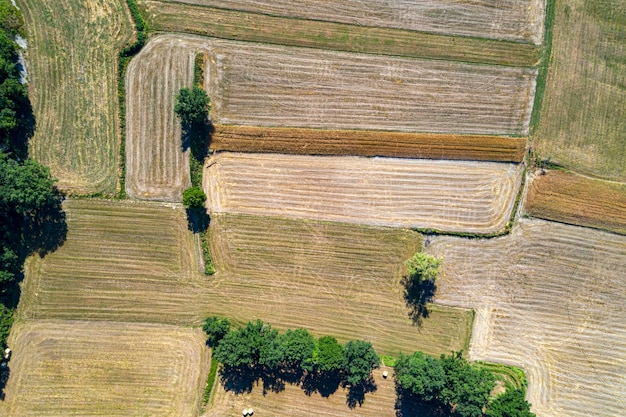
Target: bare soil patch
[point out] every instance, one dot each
(460, 196)
(550, 298)
(574, 199)
(503, 19)
(367, 143)
(62, 368)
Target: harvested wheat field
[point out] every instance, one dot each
(519, 20)
(550, 298)
(248, 26)
(367, 143)
(264, 85)
(121, 261)
(293, 401)
(583, 118)
(459, 196)
(157, 167)
(62, 368)
(571, 198)
(71, 59)
(334, 279)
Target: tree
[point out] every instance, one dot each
(253, 345)
(422, 375)
(25, 188)
(194, 197)
(297, 346)
(510, 404)
(192, 106)
(359, 359)
(327, 356)
(215, 328)
(419, 284)
(467, 387)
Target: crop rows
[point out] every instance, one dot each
(519, 20)
(61, 368)
(550, 298)
(447, 195)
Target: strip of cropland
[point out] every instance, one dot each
(518, 20)
(574, 199)
(72, 48)
(62, 368)
(304, 141)
(551, 299)
(455, 196)
(136, 262)
(255, 27)
(583, 118)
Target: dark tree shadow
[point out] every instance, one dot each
(4, 377)
(238, 380)
(26, 129)
(197, 219)
(417, 294)
(324, 383)
(197, 136)
(356, 393)
(46, 231)
(272, 381)
(408, 405)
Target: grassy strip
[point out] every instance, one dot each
(209, 383)
(506, 373)
(209, 267)
(257, 27)
(124, 57)
(544, 64)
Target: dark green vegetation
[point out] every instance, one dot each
(215, 328)
(419, 284)
(451, 386)
(209, 382)
(194, 198)
(192, 106)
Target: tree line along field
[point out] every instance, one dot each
(520, 21)
(61, 368)
(248, 26)
(303, 141)
(583, 118)
(137, 262)
(549, 298)
(71, 53)
(575, 199)
(458, 196)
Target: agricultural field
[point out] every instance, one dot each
(71, 62)
(518, 20)
(157, 166)
(550, 298)
(460, 196)
(583, 118)
(240, 25)
(575, 199)
(64, 368)
(303, 141)
(265, 85)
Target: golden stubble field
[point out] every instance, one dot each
(62, 368)
(71, 61)
(459, 196)
(550, 298)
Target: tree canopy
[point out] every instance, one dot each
(254, 344)
(359, 359)
(419, 284)
(297, 346)
(192, 106)
(215, 328)
(194, 197)
(510, 404)
(421, 374)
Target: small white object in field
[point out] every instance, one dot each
(250, 411)
(385, 374)
(244, 413)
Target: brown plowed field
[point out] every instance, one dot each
(367, 143)
(574, 199)
(519, 20)
(65, 368)
(264, 85)
(133, 261)
(458, 196)
(254, 27)
(156, 166)
(550, 298)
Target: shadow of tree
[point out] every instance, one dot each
(408, 405)
(238, 380)
(323, 383)
(4, 377)
(418, 293)
(197, 219)
(356, 393)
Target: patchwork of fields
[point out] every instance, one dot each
(550, 298)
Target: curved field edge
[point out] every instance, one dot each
(255, 27)
(549, 298)
(303, 141)
(71, 62)
(62, 368)
(453, 196)
(575, 199)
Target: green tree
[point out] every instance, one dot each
(25, 188)
(215, 328)
(419, 284)
(192, 106)
(194, 197)
(327, 356)
(510, 404)
(359, 359)
(253, 345)
(467, 387)
(11, 19)
(297, 347)
(420, 374)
